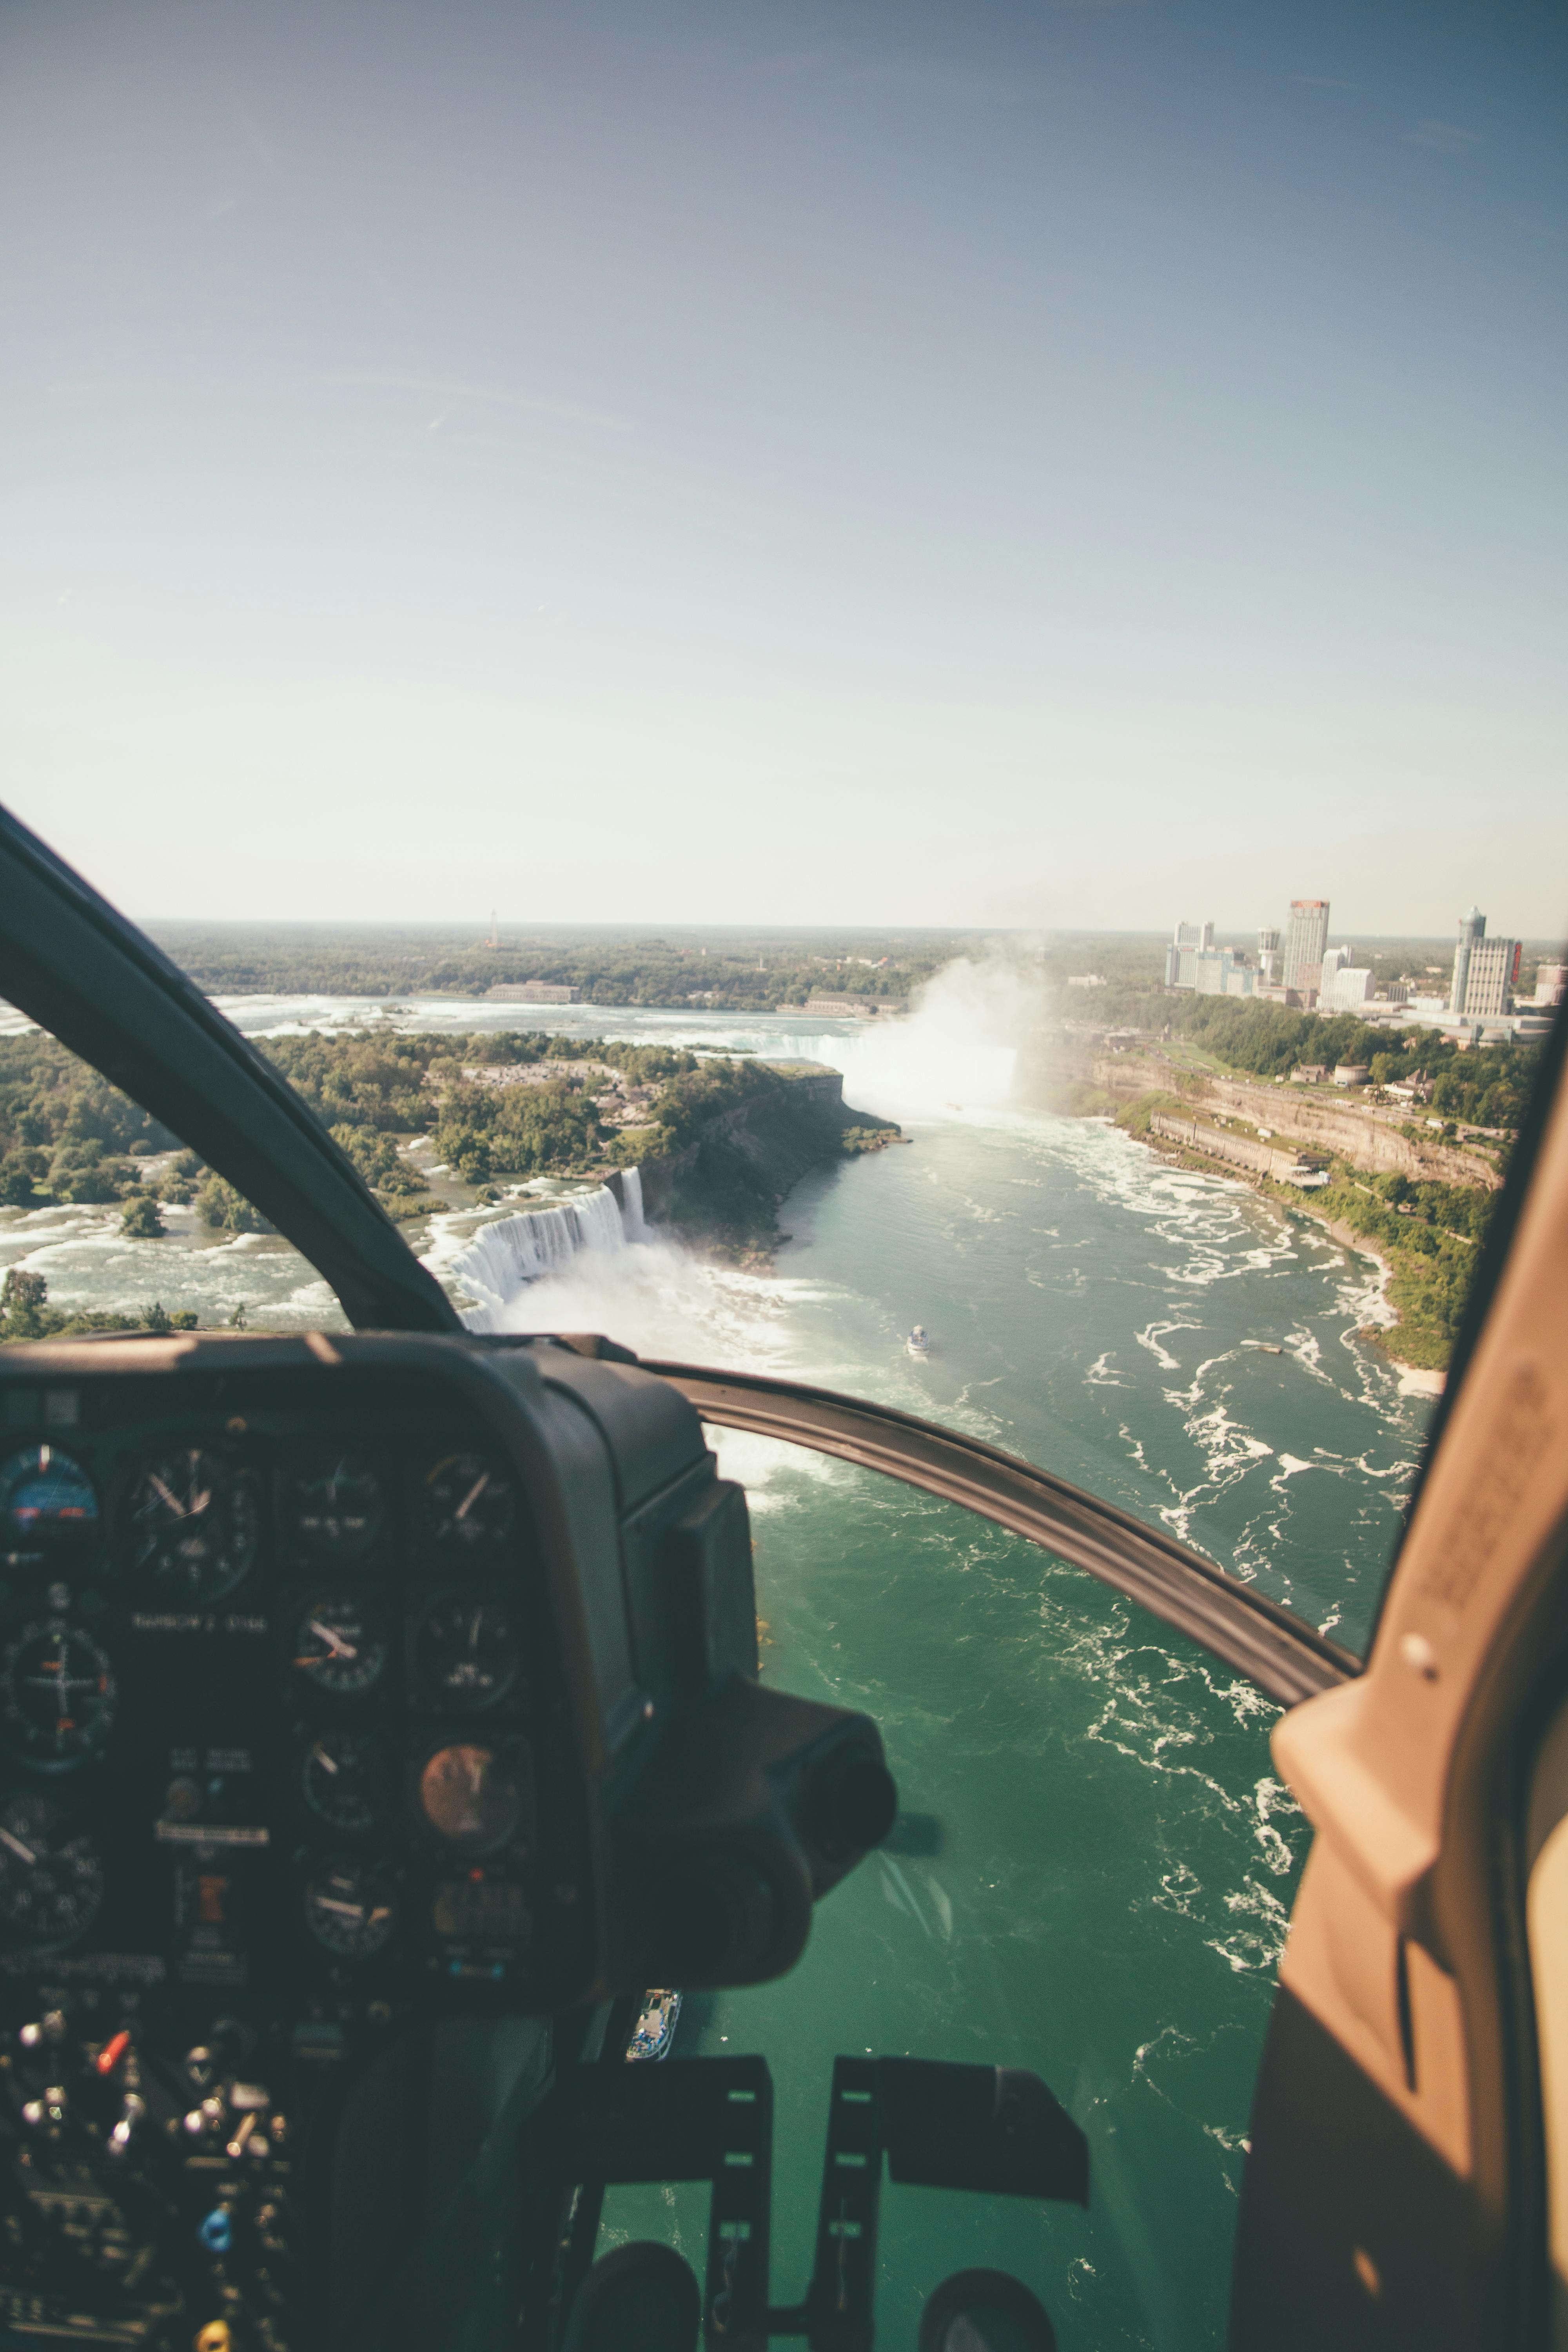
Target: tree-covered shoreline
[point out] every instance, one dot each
(486, 1108)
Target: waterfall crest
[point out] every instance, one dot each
(504, 1256)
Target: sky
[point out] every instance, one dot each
(758, 460)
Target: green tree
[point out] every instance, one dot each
(219, 1204)
(24, 1305)
(142, 1221)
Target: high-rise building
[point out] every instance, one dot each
(1334, 959)
(1267, 955)
(1472, 928)
(1188, 941)
(1485, 970)
(1490, 984)
(1305, 937)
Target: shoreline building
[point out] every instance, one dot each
(1306, 938)
(534, 992)
(1345, 985)
(1188, 941)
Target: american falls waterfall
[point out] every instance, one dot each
(512, 1251)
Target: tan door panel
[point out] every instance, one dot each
(1391, 1946)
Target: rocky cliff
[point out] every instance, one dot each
(724, 1187)
(1069, 1074)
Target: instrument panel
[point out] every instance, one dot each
(323, 1666)
(268, 1696)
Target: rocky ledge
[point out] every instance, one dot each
(724, 1188)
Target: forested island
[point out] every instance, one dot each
(432, 1121)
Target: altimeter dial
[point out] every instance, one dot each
(469, 1654)
(194, 1524)
(350, 1907)
(56, 1694)
(347, 1780)
(335, 1505)
(470, 1501)
(51, 1883)
(339, 1646)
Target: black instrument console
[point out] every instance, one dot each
(347, 1685)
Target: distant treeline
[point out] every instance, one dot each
(740, 971)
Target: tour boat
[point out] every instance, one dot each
(918, 1342)
(655, 2029)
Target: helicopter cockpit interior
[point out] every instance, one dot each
(381, 1718)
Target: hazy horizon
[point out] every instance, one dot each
(1024, 467)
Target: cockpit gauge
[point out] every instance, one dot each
(347, 1780)
(470, 1501)
(51, 1883)
(469, 1655)
(335, 1505)
(56, 1694)
(473, 1797)
(48, 1511)
(350, 1907)
(339, 1645)
(194, 1524)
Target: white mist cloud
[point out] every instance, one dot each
(957, 1047)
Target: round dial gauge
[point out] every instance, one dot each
(48, 1511)
(51, 1884)
(56, 1693)
(351, 1907)
(194, 1524)
(335, 1505)
(347, 1780)
(473, 1797)
(469, 1654)
(471, 1502)
(339, 1646)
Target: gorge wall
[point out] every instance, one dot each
(724, 1187)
